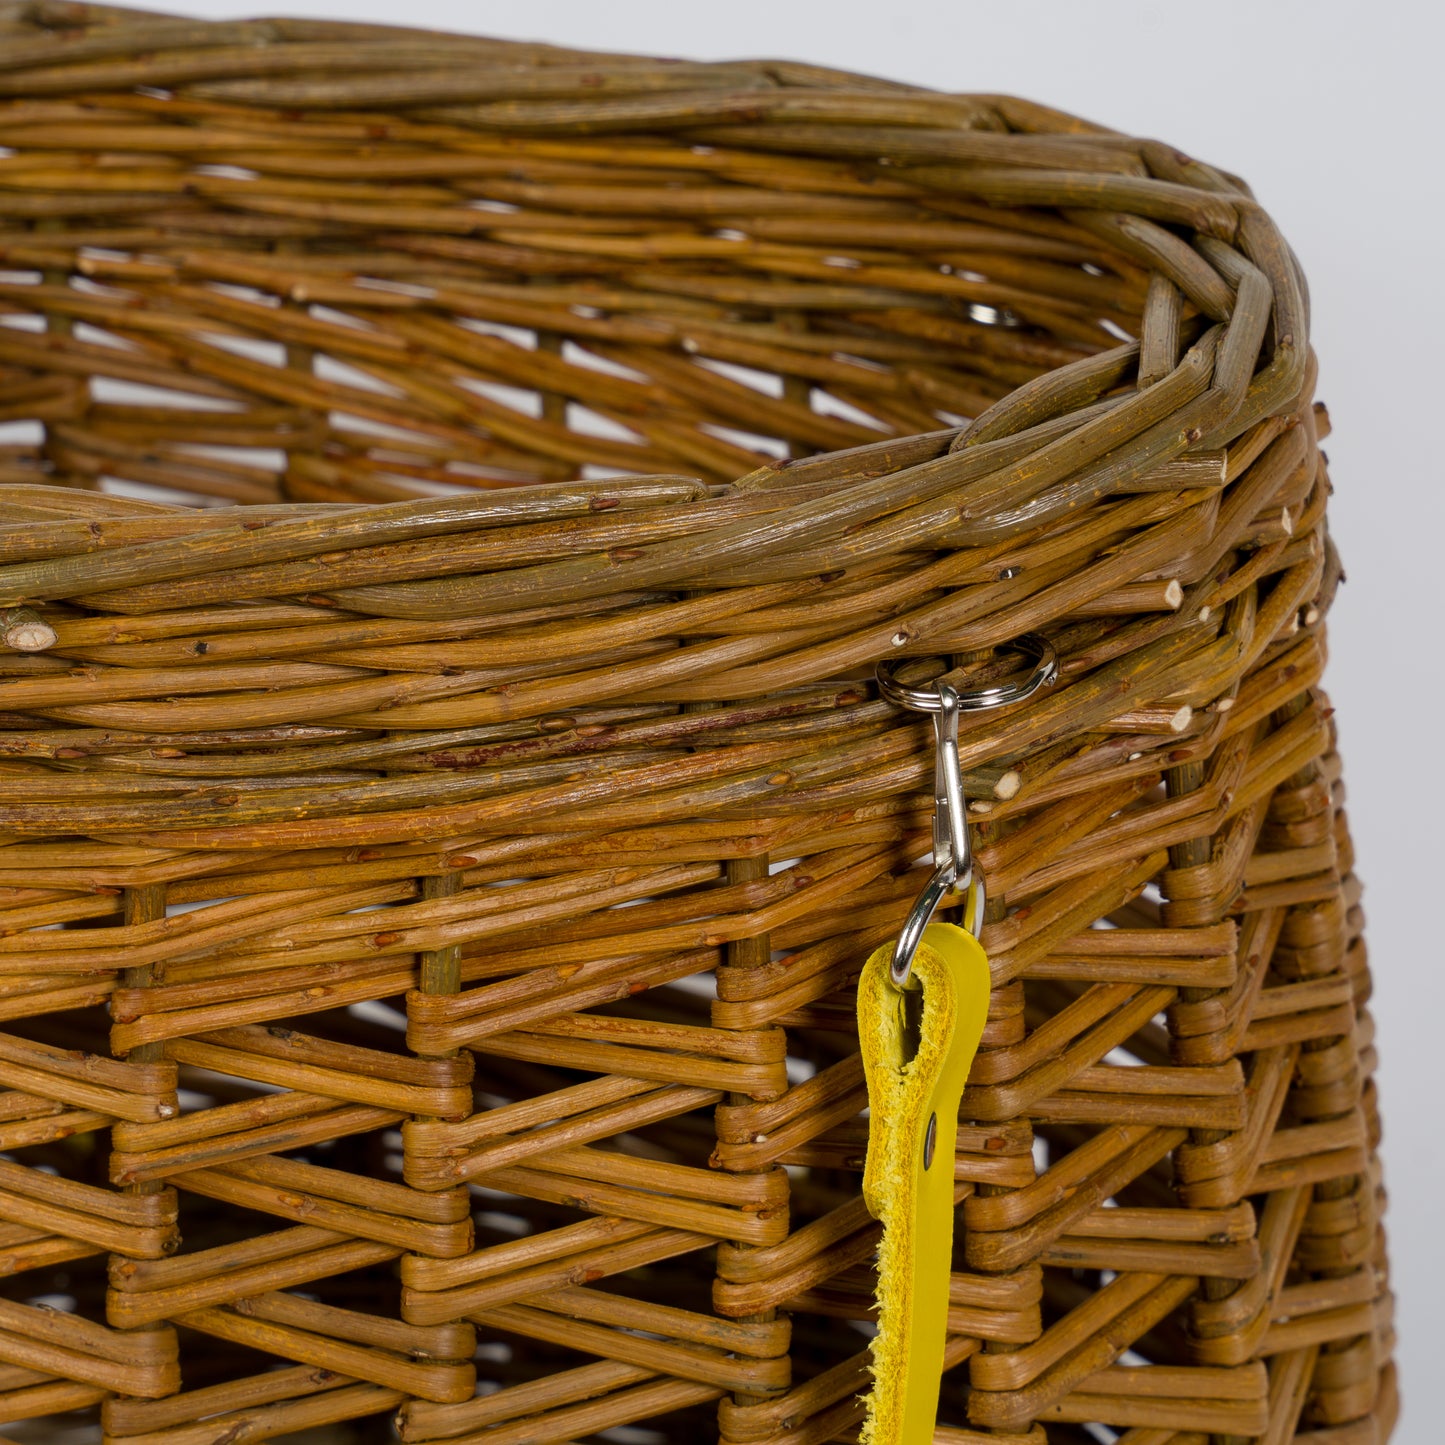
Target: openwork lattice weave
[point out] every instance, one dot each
(431, 893)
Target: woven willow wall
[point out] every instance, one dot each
(431, 893)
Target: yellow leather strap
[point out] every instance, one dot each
(908, 1177)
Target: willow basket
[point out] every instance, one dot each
(433, 890)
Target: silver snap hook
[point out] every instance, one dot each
(954, 874)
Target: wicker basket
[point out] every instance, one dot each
(433, 891)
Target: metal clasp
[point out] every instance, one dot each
(954, 874)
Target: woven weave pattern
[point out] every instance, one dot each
(432, 892)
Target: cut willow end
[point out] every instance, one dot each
(23, 630)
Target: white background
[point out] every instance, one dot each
(1330, 108)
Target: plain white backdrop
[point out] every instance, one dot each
(1330, 108)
